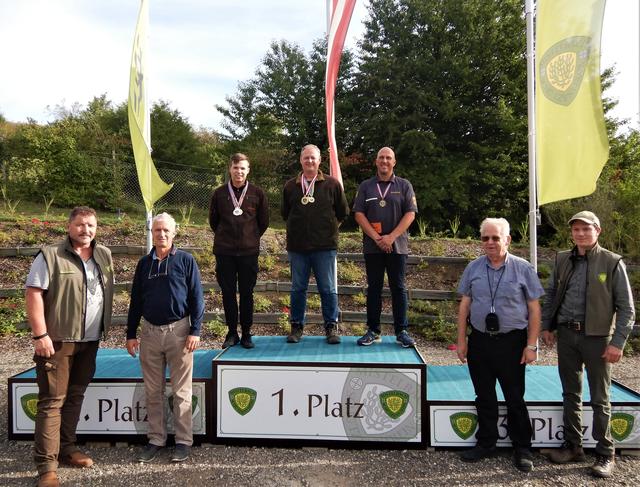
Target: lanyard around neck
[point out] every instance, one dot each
(491, 292)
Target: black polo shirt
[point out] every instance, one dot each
(399, 200)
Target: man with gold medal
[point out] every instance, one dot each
(313, 205)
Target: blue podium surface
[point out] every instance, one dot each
(452, 383)
(116, 363)
(315, 349)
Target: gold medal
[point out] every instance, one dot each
(304, 200)
(382, 203)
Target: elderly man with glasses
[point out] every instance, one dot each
(167, 296)
(500, 304)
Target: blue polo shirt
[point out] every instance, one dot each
(400, 199)
(513, 284)
(166, 291)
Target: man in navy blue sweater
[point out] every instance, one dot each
(167, 296)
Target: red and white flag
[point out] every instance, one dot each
(340, 16)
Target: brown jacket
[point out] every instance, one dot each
(238, 235)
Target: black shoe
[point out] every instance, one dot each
(148, 453)
(180, 453)
(246, 340)
(478, 453)
(331, 332)
(231, 339)
(523, 459)
(296, 333)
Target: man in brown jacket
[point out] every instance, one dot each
(69, 297)
(238, 215)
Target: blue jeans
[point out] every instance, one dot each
(324, 266)
(395, 265)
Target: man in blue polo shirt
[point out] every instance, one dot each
(385, 207)
(167, 296)
(500, 304)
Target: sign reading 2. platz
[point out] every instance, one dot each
(319, 403)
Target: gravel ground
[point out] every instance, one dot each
(241, 466)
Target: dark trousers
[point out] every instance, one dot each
(62, 381)
(237, 274)
(395, 267)
(574, 350)
(492, 358)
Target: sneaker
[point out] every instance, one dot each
(603, 467)
(148, 453)
(296, 333)
(567, 453)
(231, 339)
(369, 338)
(180, 452)
(523, 459)
(246, 340)
(405, 340)
(478, 453)
(332, 334)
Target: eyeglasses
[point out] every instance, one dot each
(493, 238)
(159, 273)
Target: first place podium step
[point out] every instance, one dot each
(314, 393)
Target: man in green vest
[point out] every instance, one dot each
(69, 298)
(589, 312)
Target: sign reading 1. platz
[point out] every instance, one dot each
(319, 403)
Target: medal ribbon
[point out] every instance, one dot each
(237, 203)
(308, 188)
(383, 196)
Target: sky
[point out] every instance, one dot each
(61, 52)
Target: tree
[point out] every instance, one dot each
(444, 83)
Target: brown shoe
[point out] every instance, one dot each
(77, 459)
(48, 479)
(603, 467)
(567, 453)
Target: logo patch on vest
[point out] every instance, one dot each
(602, 277)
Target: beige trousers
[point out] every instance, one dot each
(161, 346)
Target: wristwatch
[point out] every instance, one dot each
(533, 348)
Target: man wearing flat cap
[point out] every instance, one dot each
(589, 312)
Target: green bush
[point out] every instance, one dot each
(423, 306)
(217, 328)
(261, 303)
(12, 314)
(313, 301)
(266, 263)
(359, 299)
(349, 272)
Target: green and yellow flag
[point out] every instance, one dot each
(151, 186)
(571, 140)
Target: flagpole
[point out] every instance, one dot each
(147, 138)
(533, 203)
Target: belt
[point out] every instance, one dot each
(573, 325)
(496, 334)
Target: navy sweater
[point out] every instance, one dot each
(164, 292)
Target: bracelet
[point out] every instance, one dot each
(45, 334)
(533, 348)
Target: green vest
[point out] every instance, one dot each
(66, 299)
(600, 313)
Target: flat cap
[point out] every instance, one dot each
(587, 217)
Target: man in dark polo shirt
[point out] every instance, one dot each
(313, 205)
(591, 306)
(385, 207)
